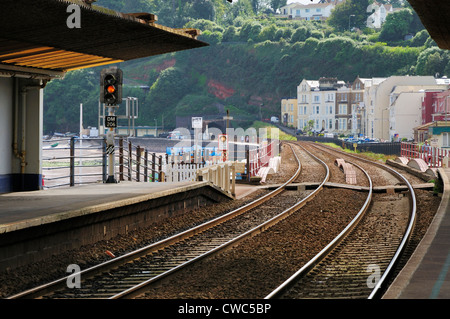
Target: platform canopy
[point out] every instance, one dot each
(35, 37)
(435, 16)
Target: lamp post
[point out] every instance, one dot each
(352, 15)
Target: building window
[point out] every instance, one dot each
(316, 99)
(342, 124)
(317, 109)
(446, 139)
(330, 124)
(342, 108)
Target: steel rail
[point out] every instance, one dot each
(381, 284)
(138, 289)
(120, 260)
(285, 286)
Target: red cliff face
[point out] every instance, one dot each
(219, 90)
(165, 65)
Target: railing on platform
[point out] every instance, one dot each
(433, 156)
(181, 172)
(133, 159)
(74, 161)
(63, 157)
(258, 158)
(222, 175)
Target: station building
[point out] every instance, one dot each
(41, 41)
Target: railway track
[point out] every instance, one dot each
(359, 261)
(128, 275)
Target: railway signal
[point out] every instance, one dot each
(111, 86)
(111, 95)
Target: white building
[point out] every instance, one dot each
(378, 17)
(377, 101)
(310, 11)
(405, 109)
(317, 103)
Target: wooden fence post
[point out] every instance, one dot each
(130, 159)
(138, 163)
(146, 165)
(72, 161)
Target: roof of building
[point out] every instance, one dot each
(35, 37)
(435, 15)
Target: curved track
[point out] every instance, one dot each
(358, 262)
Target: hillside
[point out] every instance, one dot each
(249, 66)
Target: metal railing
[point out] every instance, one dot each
(78, 161)
(433, 156)
(73, 163)
(133, 159)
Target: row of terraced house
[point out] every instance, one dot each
(388, 109)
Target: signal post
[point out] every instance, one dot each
(111, 95)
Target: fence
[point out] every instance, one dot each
(75, 161)
(63, 157)
(433, 156)
(181, 172)
(82, 161)
(222, 175)
(382, 148)
(145, 166)
(260, 157)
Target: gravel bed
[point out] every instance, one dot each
(258, 265)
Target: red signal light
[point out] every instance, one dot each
(111, 89)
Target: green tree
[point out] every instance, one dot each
(431, 61)
(268, 33)
(351, 13)
(300, 34)
(277, 4)
(397, 25)
(250, 30)
(202, 9)
(230, 34)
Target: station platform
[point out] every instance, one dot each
(427, 275)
